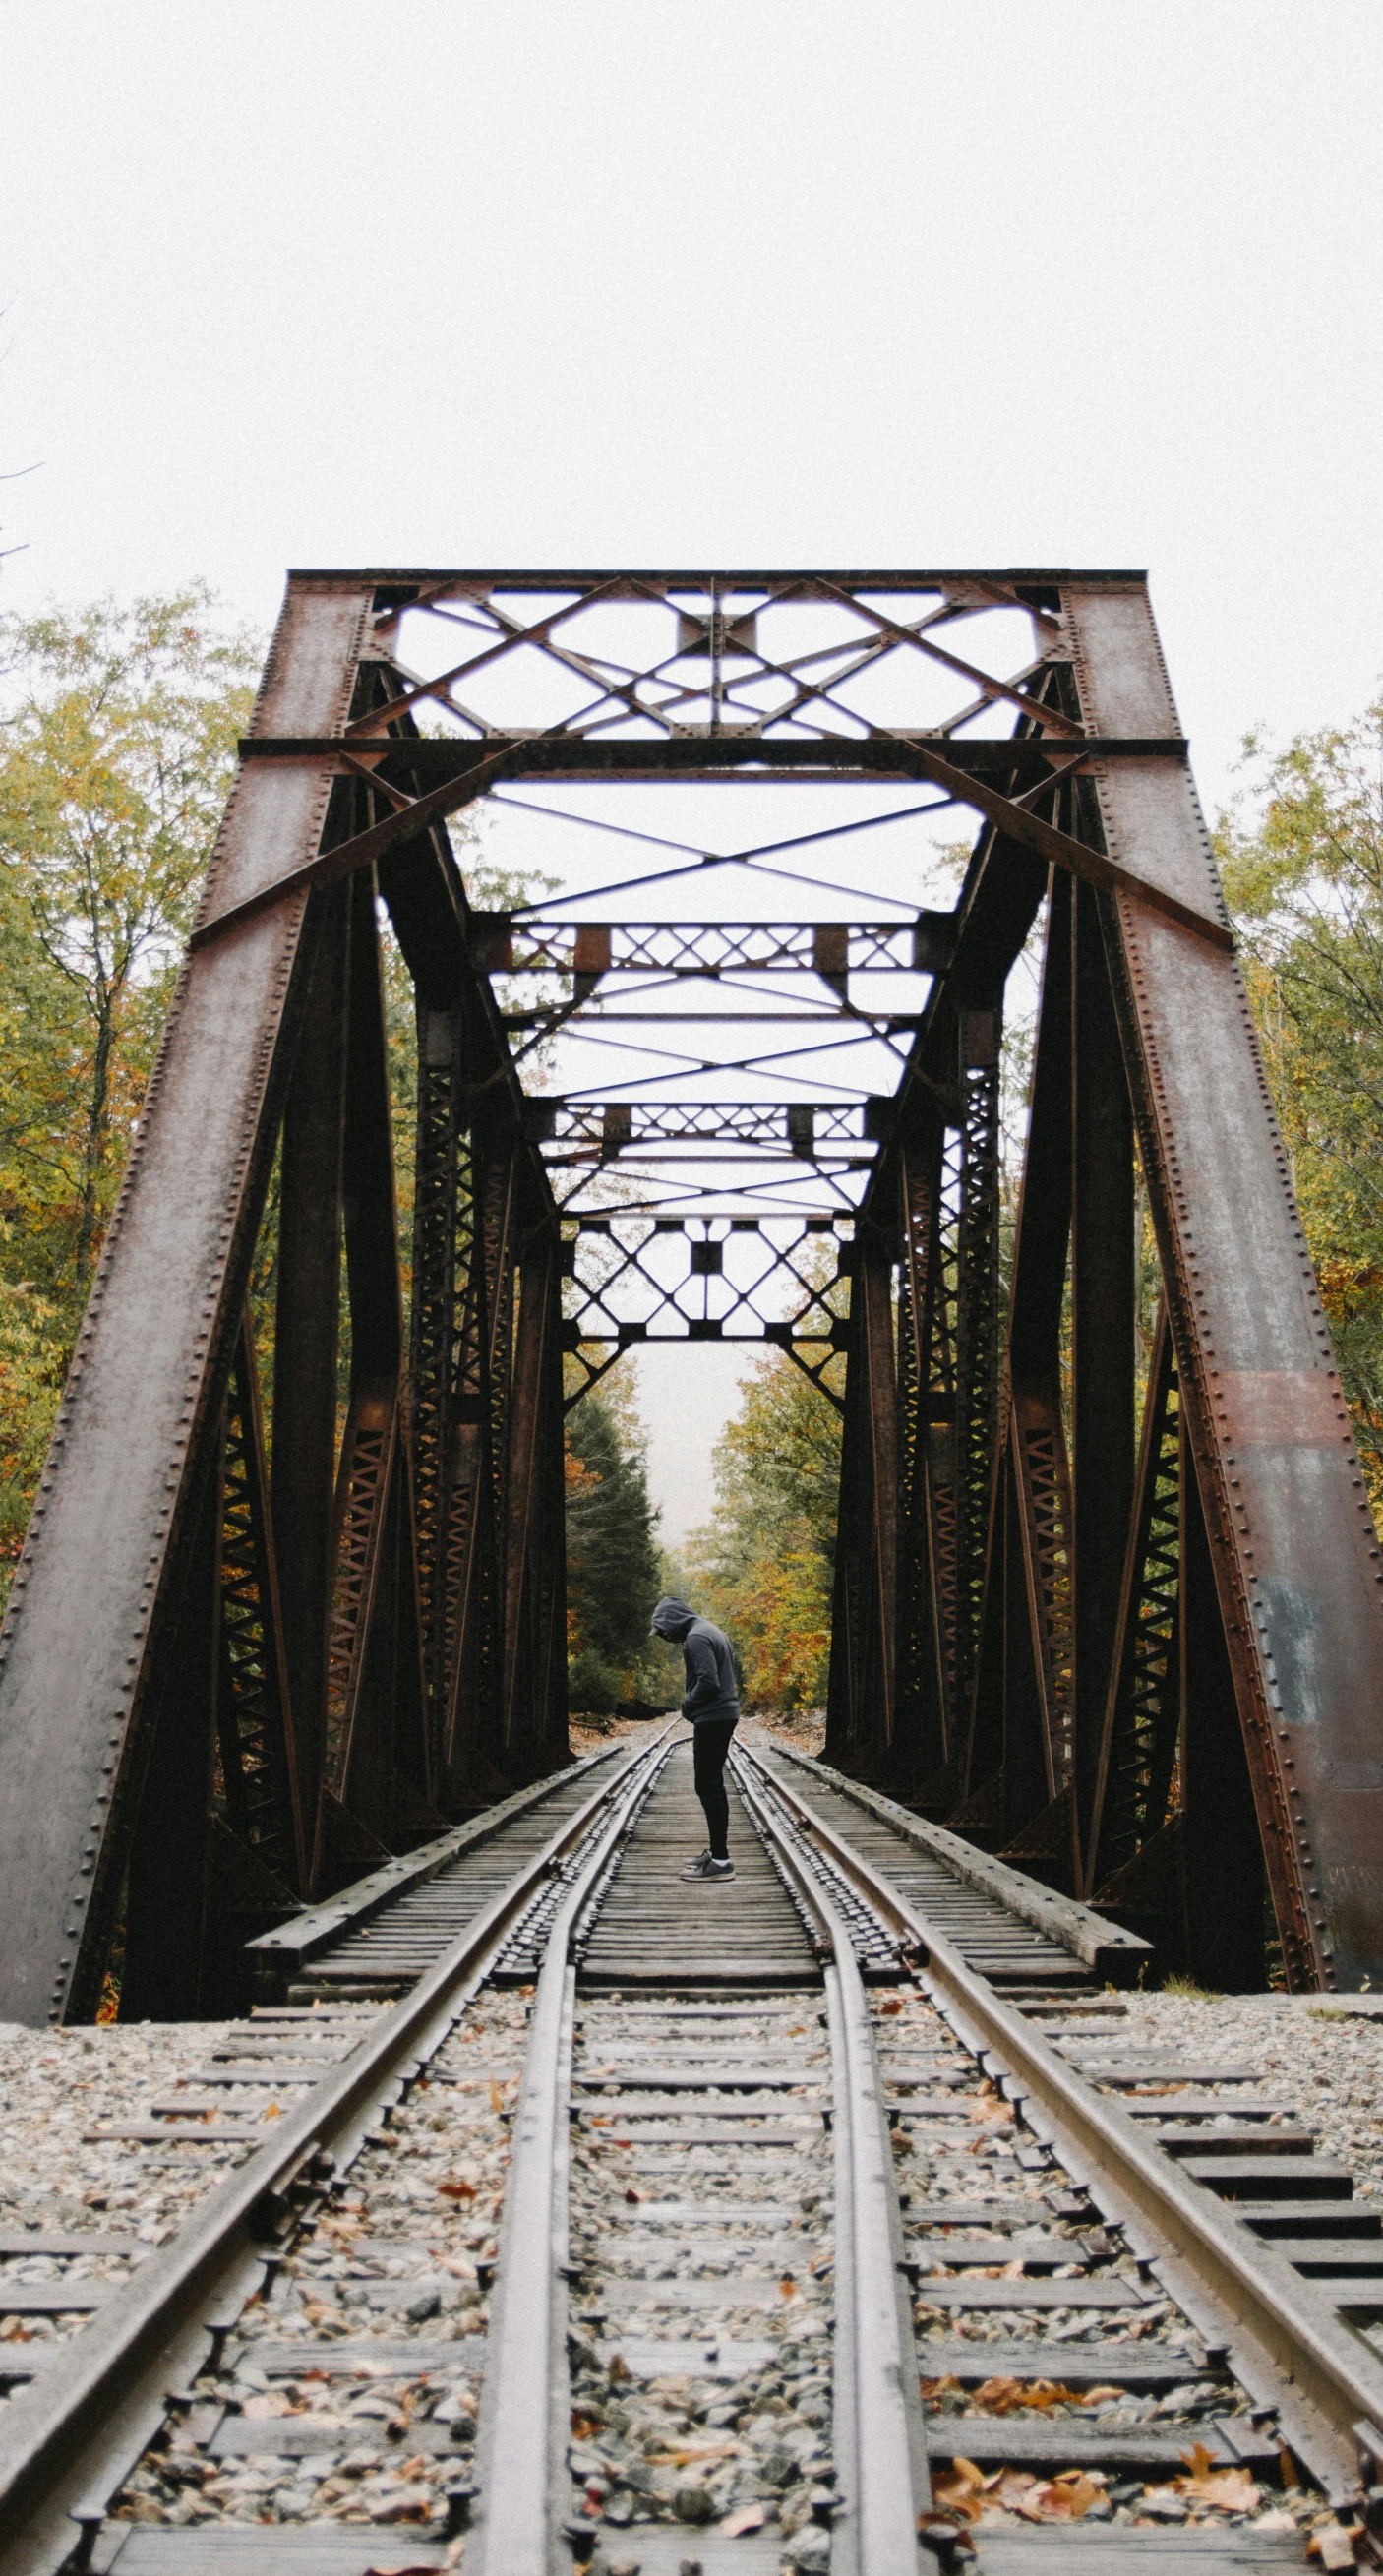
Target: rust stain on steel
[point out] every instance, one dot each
(1301, 1408)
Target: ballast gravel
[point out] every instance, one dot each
(55, 2087)
(400, 2255)
(405, 2253)
(1325, 2052)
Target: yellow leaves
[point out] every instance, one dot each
(692, 2454)
(988, 2107)
(962, 2491)
(787, 2287)
(1005, 2396)
(1331, 2548)
(1228, 2490)
(496, 2098)
(968, 2494)
(1067, 2498)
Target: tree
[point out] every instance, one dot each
(115, 758)
(117, 744)
(764, 1567)
(613, 1563)
(1304, 879)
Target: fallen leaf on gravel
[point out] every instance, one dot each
(273, 2111)
(787, 2287)
(457, 2190)
(1067, 2498)
(1229, 2490)
(693, 2451)
(962, 2492)
(1011, 2488)
(988, 2108)
(496, 2097)
(1001, 2396)
(746, 2517)
(1331, 2546)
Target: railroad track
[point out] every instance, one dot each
(608, 2221)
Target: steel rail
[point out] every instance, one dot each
(521, 2434)
(877, 2431)
(69, 2440)
(1290, 2347)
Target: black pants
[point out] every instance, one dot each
(710, 1744)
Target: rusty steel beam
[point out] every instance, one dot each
(1297, 1566)
(502, 761)
(115, 1513)
(1103, 1323)
(860, 1700)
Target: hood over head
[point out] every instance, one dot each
(672, 1618)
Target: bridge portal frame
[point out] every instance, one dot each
(1145, 1665)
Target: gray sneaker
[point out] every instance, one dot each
(705, 1867)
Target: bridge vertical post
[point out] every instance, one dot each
(306, 1327)
(1020, 1756)
(1296, 1562)
(535, 1658)
(977, 1320)
(1103, 1424)
(860, 1698)
(922, 1741)
(441, 1262)
(474, 1743)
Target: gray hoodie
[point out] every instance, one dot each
(712, 1691)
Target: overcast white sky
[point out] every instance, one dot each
(750, 281)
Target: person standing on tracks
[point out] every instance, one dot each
(712, 1704)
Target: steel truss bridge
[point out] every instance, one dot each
(1106, 1582)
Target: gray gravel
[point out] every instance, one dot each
(398, 2258)
(54, 2086)
(1325, 2053)
(747, 2451)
